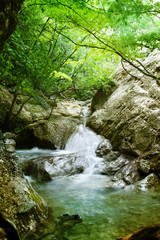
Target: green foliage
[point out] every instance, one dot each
(72, 47)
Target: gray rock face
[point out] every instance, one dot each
(149, 182)
(130, 118)
(10, 145)
(98, 100)
(117, 166)
(47, 134)
(53, 132)
(46, 168)
(103, 148)
(20, 204)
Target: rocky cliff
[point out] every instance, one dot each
(130, 118)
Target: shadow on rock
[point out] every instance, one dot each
(146, 233)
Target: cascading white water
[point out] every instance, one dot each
(87, 141)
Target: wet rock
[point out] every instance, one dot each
(20, 204)
(10, 145)
(111, 156)
(146, 233)
(150, 164)
(46, 168)
(114, 166)
(103, 148)
(128, 173)
(151, 181)
(144, 166)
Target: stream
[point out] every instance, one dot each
(107, 211)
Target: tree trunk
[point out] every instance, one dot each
(8, 18)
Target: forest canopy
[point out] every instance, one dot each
(70, 48)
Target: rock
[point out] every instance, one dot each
(130, 118)
(32, 113)
(10, 142)
(150, 163)
(151, 181)
(111, 156)
(9, 135)
(144, 166)
(121, 168)
(146, 233)
(98, 100)
(103, 148)
(114, 166)
(128, 173)
(10, 145)
(22, 119)
(20, 204)
(10, 148)
(46, 168)
(49, 134)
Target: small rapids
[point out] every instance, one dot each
(107, 211)
(86, 140)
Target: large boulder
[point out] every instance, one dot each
(51, 134)
(54, 132)
(130, 118)
(117, 166)
(47, 167)
(20, 205)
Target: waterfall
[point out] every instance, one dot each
(86, 141)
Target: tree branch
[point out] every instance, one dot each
(78, 44)
(43, 28)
